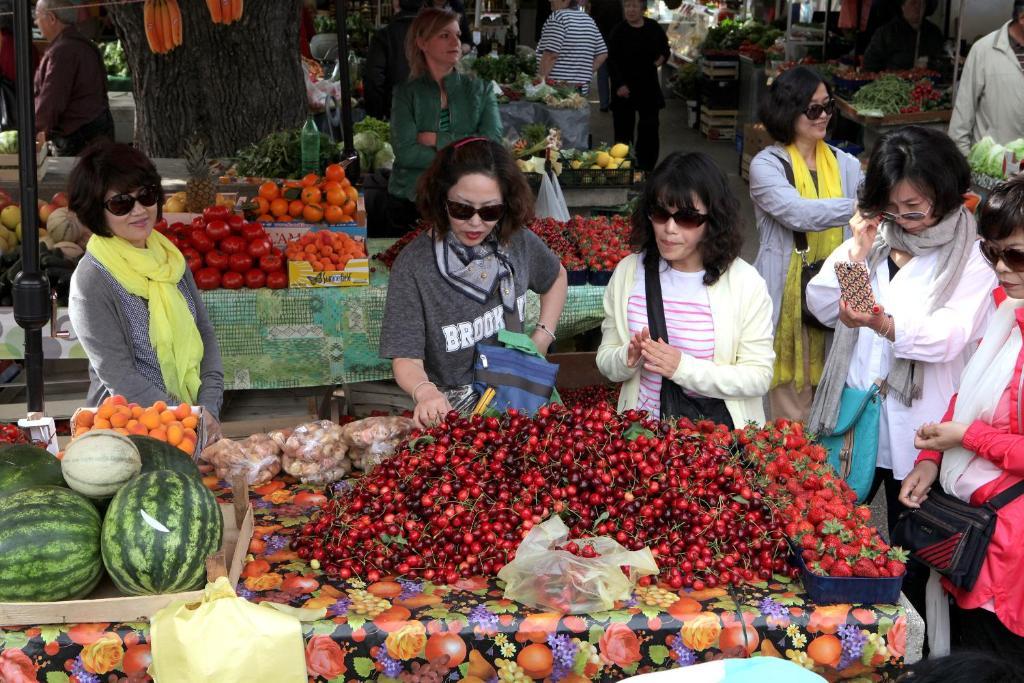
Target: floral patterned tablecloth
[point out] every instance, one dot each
(398, 630)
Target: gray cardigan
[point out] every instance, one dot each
(105, 333)
(780, 210)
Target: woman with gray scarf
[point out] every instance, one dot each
(932, 289)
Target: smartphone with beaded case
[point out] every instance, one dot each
(855, 286)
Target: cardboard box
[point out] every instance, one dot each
(282, 233)
(107, 604)
(755, 138)
(9, 168)
(196, 410)
(356, 273)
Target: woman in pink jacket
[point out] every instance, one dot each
(977, 451)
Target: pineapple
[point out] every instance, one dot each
(200, 188)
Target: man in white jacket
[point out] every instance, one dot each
(990, 97)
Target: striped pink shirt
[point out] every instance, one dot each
(691, 328)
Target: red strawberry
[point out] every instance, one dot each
(865, 567)
(841, 568)
(897, 558)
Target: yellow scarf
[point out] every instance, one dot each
(792, 355)
(153, 273)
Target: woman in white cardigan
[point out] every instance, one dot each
(705, 322)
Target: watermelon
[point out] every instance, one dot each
(100, 462)
(49, 545)
(160, 455)
(25, 466)
(158, 531)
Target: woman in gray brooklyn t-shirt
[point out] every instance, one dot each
(457, 285)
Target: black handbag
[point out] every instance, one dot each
(8, 105)
(952, 536)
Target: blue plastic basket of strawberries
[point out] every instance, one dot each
(864, 578)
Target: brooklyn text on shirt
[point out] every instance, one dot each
(465, 335)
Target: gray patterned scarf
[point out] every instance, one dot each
(476, 271)
(954, 237)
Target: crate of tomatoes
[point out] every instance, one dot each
(223, 250)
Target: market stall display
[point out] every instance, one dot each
(995, 161)
(892, 94)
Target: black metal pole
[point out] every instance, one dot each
(341, 15)
(31, 289)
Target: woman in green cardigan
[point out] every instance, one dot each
(436, 106)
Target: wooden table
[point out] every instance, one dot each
(876, 126)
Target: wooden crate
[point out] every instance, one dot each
(362, 398)
(718, 133)
(577, 369)
(727, 69)
(9, 163)
(107, 605)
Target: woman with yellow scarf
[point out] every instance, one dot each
(134, 305)
(804, 193)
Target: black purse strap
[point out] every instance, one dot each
(1007, 496)
(799, 238)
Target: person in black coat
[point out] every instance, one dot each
(637, 47)
(904, 39)
(386, 63)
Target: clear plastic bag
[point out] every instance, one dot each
(257, 458)
(373, 440)
(315, 453)
(544, 577)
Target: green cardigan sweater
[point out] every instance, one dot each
(416, 107)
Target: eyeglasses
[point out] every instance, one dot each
(909, 216)
(1012, 257)
(122, 204)
(684, 218)
(464, 212)
(814, 111)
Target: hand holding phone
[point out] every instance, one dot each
(855, 286)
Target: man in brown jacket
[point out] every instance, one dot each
(71, 83)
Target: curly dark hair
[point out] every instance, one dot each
(786, 99)
(1002, 212)
(674, 183)
(475, 155)
(102, 167)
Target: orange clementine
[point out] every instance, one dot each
(352, 193)
(330, 185)
(310, 195)
(336, 197)
(313, 213)
(270, 191)
(264, 218)
(310, 179)
(279, 207)
(333, 214)
(262, 204)
(334, 172)
(349, 207)
(295, 208)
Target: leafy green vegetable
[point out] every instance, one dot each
(114, 58)
(888, 94)
(367, 142)
(279, 155)
(9, 142)
(371, 125)
(384, 158)
(504, 68)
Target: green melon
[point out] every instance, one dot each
(100, 462)
(160, 455)
(49, 545)
(25, 466)
(158, 531)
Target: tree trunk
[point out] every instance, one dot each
(231, 85)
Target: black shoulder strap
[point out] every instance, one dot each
(799, 238)
(1007, 496)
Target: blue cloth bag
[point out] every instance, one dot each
(520, 377)
(853, 444)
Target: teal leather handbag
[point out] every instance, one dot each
(853, 444)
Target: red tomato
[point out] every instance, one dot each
(176, 241)
(217, 259)
(240, 263)
(252, 231)
(233, 245)
(277, 280)
(211, 213)
(259, 247)
(232, 280)
(271, 263)
(189, 252)
(160, 225)
(199, 223)
(208, 278)
(217, 230)
(194, 261)
(235, 223)
(177, 227)
(255, 278)
(201, 242)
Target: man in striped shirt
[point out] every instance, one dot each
(571, 47)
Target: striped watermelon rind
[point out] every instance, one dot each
(100, 462)
(23, 467)
(160, 455)
(49, 545)
(143, 560)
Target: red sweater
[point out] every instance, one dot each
(998, 580)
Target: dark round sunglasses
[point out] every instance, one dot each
(464, 212)
(1011, 256)
(684, 218)
(814, 111)
(122, 204)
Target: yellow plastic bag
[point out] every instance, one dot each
(226, 639)
(542, 576)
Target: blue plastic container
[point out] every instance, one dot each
(833, 590)
(577, 277)
(599, 277)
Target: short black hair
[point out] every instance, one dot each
(1018, 9)
(925, 157)
(786, 98)
(1002, 213)
(106, 166)
(674, 182)
(964, 666)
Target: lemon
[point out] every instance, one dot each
(612, 165)
(603, 159)
(596, 167)
(619, 151)
(174, 205)
(576, 164)
(625, 163)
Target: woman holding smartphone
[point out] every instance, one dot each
(932, 292)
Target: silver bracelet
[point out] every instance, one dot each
(542, 326)
(888, 327)
(417, 387)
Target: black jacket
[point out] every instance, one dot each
(892, 46)
(386, 65)
(632, 54)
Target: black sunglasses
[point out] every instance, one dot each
(684, 218)
(814, 111)
(122, 204)
(1011, 256)
(464, 212)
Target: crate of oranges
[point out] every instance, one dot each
(180, 426)
(328, 257)
(330, 199)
